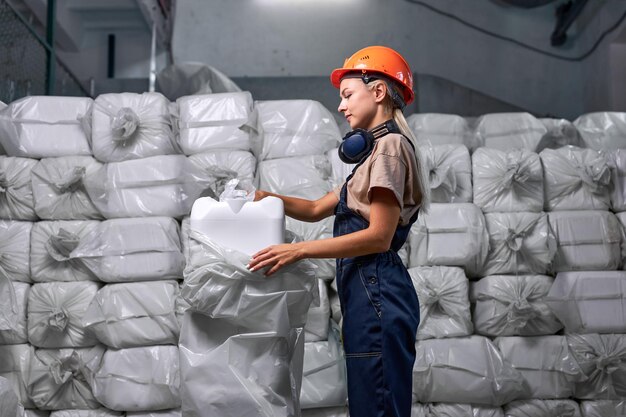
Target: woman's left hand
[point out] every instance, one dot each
(275, 257)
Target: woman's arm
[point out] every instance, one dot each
(302, 209)
(384, 217)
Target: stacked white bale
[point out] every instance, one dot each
(470, 367)
(13, 311)
(545, 363)
(454, 410)
(51, 245)
(15, 363)
(576, 179)
(98, 412)
(295, 136)
(325, 412)
(450, 235)
(519, 243)
(176, 412)
(603, 130)
(586, 240)
(208, 122)
(16, 191)
(131, 126)
(507, 131)
(602, 358)
(9, 403)
(213, 169)
(603, 408)
(339, 169)
(55, 314)
(46, 127)
(242, 333)
(441, 129)
(617, 162)
(324, 379)
(541, 408)
(590, 301)
(444, 306)
(58, 379)
(450, 172)
(505, 305)
(135, 379)
(561, 132)
(506, 181)
(159, 185)
(15, 249)
(621, 217)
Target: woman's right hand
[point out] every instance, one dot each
(259, 195)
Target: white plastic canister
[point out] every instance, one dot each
(246, 226)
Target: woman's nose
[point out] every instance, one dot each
(342, 106)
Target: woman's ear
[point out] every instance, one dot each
(380, 91)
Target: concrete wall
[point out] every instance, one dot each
(308, 38)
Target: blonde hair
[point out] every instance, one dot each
(398, 117)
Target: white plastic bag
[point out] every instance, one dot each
(98, 412)
(561, 132)
(13, 311)
(46, 126)
(617, 162)
(576, 179)
(458, 410)
(505, 305)
(59, 188)
(450, 173)
(55, 314)
(507, 131)
(536, 408)
(214, 169)
(507, 181)
(444, 306)
(131, 126)
(303, 176)
(318, 316)
(603, 408)
(603, 130)
(134, 314)
(214, 121)
(441, 129)
(15, 250)
(519, 243)
(52, 243)
(9, 403)
(15, 363)
(16, 191)
(322, 229)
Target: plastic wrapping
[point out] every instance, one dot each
(507, 181)
(133, 249)
(295, 128)
(52, 243)
(505, 305)
(233, 371)
(586, 240)
(603, 361)
(15, 362)
(15, 250)
(99, 412)
(339, 169)
(590, 302)
(46, 126)
(455, 410)
(131, 126)
(185, 78)
(214, 121)
(441, 129)
(603, 408)
(519, 243)
(59, 188)
(214, 169)
(470, 367)
(136, 379)
(58, 379)
(318, 316)
(9, 403)
(324, 381)
(617, 162)
(16, 191)
(444, 306)
(154, 186)
(450, 173)
(561, 132)
(176, 412)
(576, 179)
(546, 365)
(13, 311)
(134, 314)
(322, 229)
(541, 408)
(33, 412)
(603, 130)
(325, 412)
(303, 176)
(450, 235)
(55, 313)
(508, 131)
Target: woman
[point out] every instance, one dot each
(374, 210)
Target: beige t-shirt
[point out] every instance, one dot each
(392, 165)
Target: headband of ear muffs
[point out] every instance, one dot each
(359, 143)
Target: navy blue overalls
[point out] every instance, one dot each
(380, 317)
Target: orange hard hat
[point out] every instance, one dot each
(380, 60)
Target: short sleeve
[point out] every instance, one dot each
(337, 191)
(389, 172)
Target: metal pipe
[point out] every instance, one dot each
(50, 54)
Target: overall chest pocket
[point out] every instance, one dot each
(371, 284)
